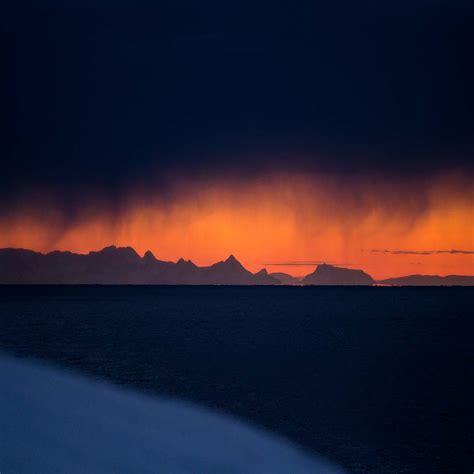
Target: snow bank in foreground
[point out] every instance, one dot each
(57, 422)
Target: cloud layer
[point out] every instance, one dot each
(423, 252)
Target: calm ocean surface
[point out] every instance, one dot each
(380, 380)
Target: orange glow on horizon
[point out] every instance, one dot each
(278, 219)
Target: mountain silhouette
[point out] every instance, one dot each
(149, 257)
(120, 265)
(286, 279)
(232, 272)
(263, 278)
(123, 266)
(430, 280)
(330, 275)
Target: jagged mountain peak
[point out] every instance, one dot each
(149, 256)
(185, 263)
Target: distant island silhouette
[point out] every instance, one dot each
(330, 275)
(123, 266)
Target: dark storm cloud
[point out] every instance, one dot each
(423, 252)
(103, 96)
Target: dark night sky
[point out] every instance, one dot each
(102, 95)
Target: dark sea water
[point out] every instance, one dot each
(380, 380)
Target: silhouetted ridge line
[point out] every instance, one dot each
(120, 265)
(123, 266)
(430, 280)
(330, 275)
